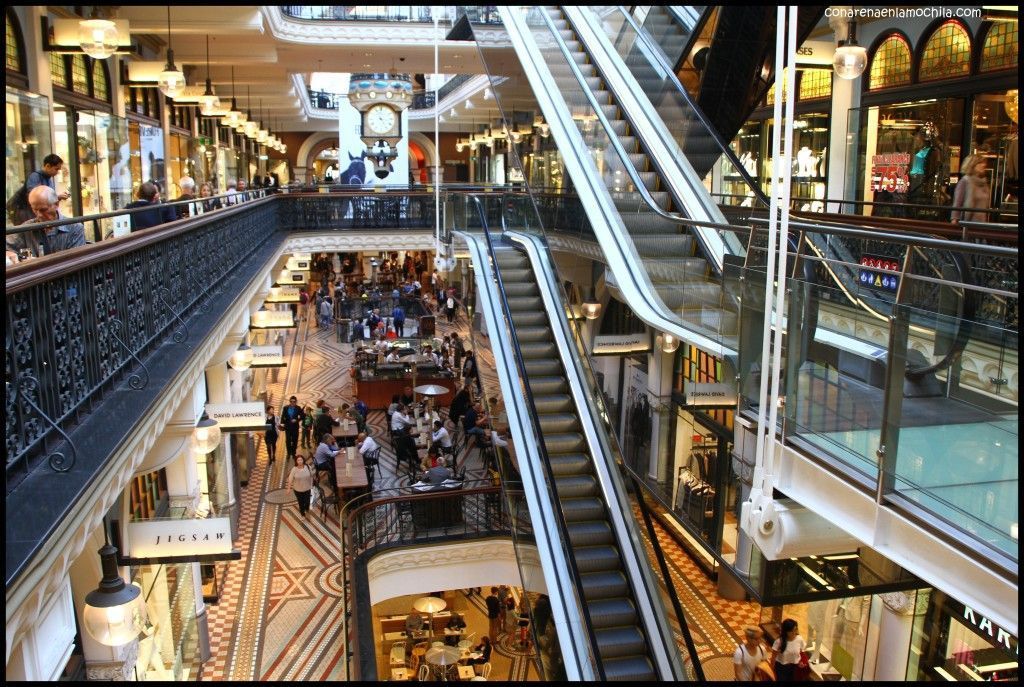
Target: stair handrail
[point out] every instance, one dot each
(560, 523)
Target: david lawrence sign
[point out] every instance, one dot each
(238, 416)
(179, 538)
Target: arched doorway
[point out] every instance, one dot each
(417, 164)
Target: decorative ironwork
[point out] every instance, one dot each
(181, 333)
(419, 14)
(134, 380)
(57, 460)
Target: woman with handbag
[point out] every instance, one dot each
(300, 480)
(788, 653)
(270, 434)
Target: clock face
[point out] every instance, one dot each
(381, 119)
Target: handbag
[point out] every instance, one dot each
(803, 667)
(314, 496)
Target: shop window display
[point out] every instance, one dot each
(27, 124)
(994, 137)
(907, 157)
(168, 645)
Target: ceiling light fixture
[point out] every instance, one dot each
(208, 101)
(171, 81)
(97, 37)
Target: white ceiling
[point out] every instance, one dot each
(242, 36)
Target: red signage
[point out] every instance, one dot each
(889, 172)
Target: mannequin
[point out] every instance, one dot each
(806, 162)
(749, 162)
(925, 172)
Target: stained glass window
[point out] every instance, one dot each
(770, 98)
(13, 46)
(100, 87)
(890, 65)
(1000, 49)
(58, 70)
(947, 54)
(815, 83)
(79, 75)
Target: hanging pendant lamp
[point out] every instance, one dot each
(171, 81)
(208, 101)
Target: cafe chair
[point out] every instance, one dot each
(330, 498)
(372, 459)
(423, 674)
(485, 670)
(416, 657)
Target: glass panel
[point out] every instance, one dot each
(79, 75)
(808, 181)
(63, 126)
(13, 47)
(890, 65)
(957, 452)
(1000, 50)
(119, 158)
(26, 119)
(947, 54)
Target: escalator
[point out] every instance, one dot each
(625, 625)
(736, 67)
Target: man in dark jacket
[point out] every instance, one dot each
(323, 422)
(149, 197)
(291, 418)
(460, 404)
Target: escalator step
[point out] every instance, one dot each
(611, 612)
(582, 509)
(604, 585)
(548, 385)
(553, 403)
(543, 349)
(529, 318)
(593, 533)
(515, 275)
(629, 668)
(649, 179)
(569, 463)
(569, 442)
(512, 260)
(617, 642)
(645, 221)
(597, 558)
(521, 289)
(664, 245)
(577, 486)
(681, 270)
(631, 202)
(525, 303)
(531, 334)
(545, 368)
(559, 423)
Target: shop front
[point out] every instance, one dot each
(926, 110)
(27, 120)
(953, 642)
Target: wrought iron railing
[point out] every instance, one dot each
(452, 84)
(325, 100)
(404, 13)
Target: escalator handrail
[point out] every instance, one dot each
(602, 445)
(674, 81)
(563, 529)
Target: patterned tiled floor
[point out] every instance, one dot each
(280, 612)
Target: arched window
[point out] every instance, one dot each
(770, 98)
(890, 65)
(58, 70)
(100, 84)
(13, 47)
(79, 75)
(946, 54)
(1000, 49)
(815, 83)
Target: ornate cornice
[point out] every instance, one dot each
(340, 241)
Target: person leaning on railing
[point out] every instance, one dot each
(149, 197)
(36, 242)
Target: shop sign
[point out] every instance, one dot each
(291, 277)
(238, 416)
(986, 627)
(297, 264)
(890, 172)
(183, 539)
(714, 394)
(614, 344)
(817, 53)
(272, 319)
(267, 356)
(878, 280)
(284, 294)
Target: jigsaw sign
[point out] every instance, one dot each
(871, 278)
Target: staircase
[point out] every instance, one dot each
(682, 278)
(606, 591)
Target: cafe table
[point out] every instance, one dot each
(346, 437)
(351, 472)
(466, 673)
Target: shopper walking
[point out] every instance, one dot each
(307, 427)
(300, 480)
(291, 418)
(270, 435)
(493, 612)
(786, 652)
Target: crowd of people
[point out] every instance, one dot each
(37, 200)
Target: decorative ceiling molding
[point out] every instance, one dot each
(308, 31)
(345, 241)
